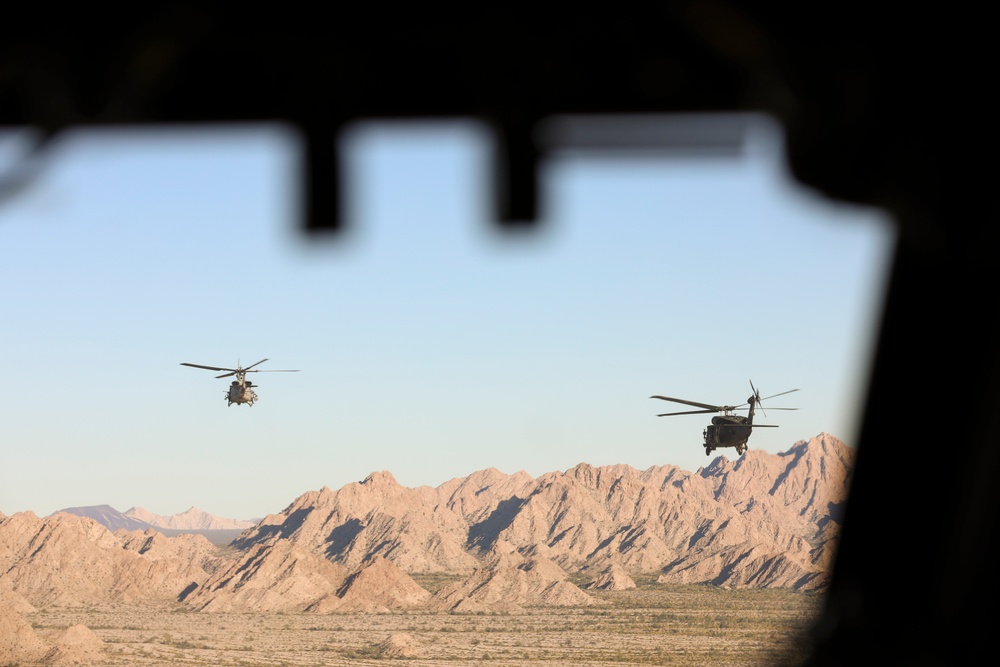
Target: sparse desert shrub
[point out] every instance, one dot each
(361, 653)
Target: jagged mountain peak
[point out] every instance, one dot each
(381, 479)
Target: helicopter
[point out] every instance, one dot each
(727, 429)
(240, 390)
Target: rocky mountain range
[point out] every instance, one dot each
(765, 520)
(109, 517)
(191, 519)
(506, 541)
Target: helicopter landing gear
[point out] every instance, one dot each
(740, 449)
(708, 450)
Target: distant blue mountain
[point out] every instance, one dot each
(108, 517)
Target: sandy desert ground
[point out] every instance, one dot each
(653, 624)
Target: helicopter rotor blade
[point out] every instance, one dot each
(211, 368)
(708, 407)
(776, 395)
(229, 372)
(688, 412)
(252, 365)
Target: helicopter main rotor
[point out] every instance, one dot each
(708, 408)
(239, 371)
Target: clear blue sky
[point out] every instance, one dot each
(429, 345)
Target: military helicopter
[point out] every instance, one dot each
(727, 429)
(240, 390)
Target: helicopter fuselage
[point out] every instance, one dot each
(728, 431)
(240, 393)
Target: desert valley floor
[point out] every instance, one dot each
(653, 624)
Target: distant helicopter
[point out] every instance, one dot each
(241, 390)
(727, 429)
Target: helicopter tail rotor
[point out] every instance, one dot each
(756, 398)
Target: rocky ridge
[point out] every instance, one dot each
(507, 541)
(68, 560)
(760, 520)
(108, 517)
